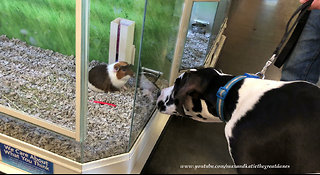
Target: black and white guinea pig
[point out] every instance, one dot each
(109, 78)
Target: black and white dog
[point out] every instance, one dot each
(273, 124)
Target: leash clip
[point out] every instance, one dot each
(262, 73)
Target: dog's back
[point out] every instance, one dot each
(280, 129)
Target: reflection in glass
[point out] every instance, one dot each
(159, 39)
(199, 33)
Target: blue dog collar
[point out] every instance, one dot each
(223, 92)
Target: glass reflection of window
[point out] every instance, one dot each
(198, 35)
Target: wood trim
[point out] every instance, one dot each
(39, 122)
(182, 33)
(214, 52)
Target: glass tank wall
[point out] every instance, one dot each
(159, 39)
(123, 69)
(114, 38)
(37, 70)
(128, 110)
(38, 73)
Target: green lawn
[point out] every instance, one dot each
(50, 24)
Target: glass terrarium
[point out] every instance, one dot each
(49, 96)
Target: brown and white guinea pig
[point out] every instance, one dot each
(109, 78)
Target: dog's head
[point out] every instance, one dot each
(193, 95)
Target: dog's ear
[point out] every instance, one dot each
(191, 86)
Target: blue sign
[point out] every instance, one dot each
(25, 161)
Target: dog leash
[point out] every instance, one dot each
(298, 25)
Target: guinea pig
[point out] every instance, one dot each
(109, 78)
